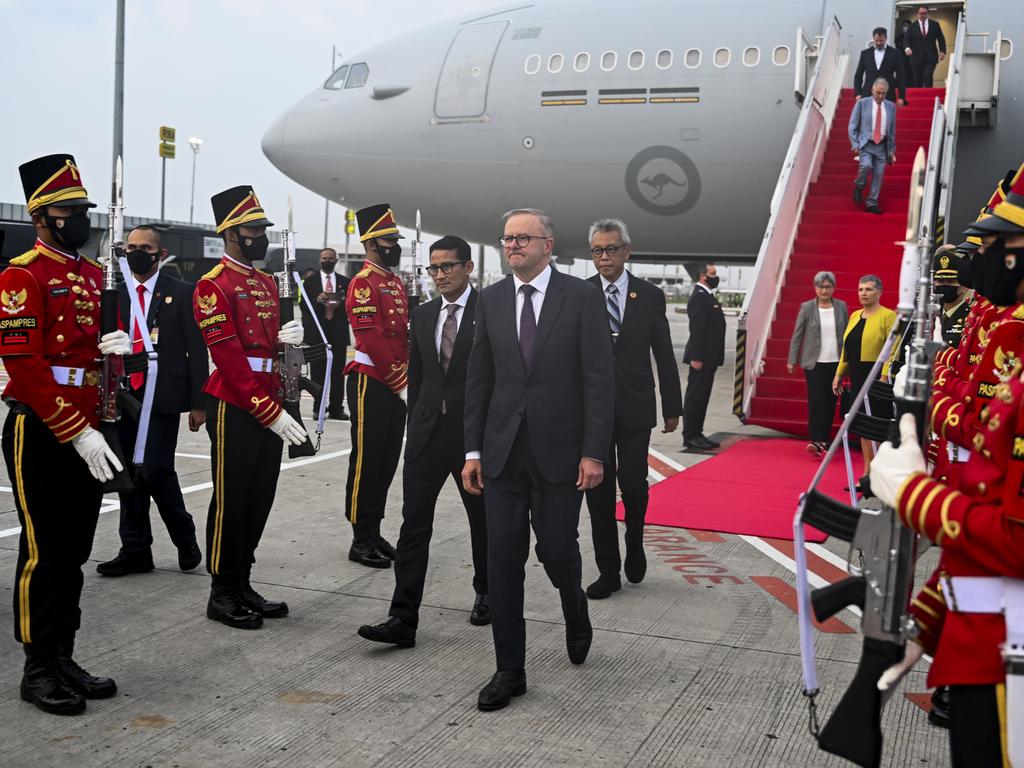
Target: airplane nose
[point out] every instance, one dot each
(273, 144)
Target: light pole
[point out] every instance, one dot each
(195, 143)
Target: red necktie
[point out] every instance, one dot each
(329, 308)
(137, 379)
(924, 29)
(876, 135)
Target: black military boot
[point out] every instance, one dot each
(939, 713)
(226, 606)
(42, 684)
(77, 679)
(254, 601)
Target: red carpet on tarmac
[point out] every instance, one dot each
(752, 487)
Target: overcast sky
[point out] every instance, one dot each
(221, 70)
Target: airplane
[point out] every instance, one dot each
(674, 116)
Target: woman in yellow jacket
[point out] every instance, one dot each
(863, 340)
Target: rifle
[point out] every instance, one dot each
(416, 251)
(882, 577)
(112, 373)
(292, 357)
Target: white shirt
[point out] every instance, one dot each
(875, 106)
(147, 295)
(540, 282)
(623, 285)
(461, 304)
(829, 345)
(334, 281)
(701, 285)
(879, 55)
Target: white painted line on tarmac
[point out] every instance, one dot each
(829, 556)
(666, 460)
(193, 455)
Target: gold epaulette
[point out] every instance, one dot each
(1018, 313)
(364, 272)
(25, 259)
(265, 274)
(93, 262)
(214, 272)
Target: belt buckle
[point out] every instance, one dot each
(92, 378)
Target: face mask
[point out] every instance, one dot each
(70, 231)
(328, 266)
(253, 248)
(947, 294)
(140, 262)
(390, 255)
(1004, 271)
(963, 273)
(711, 281)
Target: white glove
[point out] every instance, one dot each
(899, 383)
(937, 333)
(290, 333)
(892, 466)
(288, 429)
(404, 394)
(98, 455)
(892, 676)
(115, 343)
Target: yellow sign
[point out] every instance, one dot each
(350, 229)
(350, 221)
(167, 150)
(167, 134)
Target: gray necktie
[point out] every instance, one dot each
(448, 333)
(614, 318)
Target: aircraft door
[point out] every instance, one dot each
(466, 72)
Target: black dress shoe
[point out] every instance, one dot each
(604, 586)
(709, 441)
(225, 605)
(337, 415)
(499, 691)
(578, 636)
(189, 556)
(255, 602)
(385, 547)
(858, 194)
(125, 563)
(365, 553)
(873, 209)
(393, 630)
(481, 613)
(43, 686)
(77, 679)
(698, 444)
(635, 564)
(939, 713)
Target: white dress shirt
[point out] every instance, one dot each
(461, 304)
(334, 281)
(623, 285)
(540, 282)
(879, 55)
(147, 295)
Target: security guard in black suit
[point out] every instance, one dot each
(326, 290)
(182, 369)
(639, 327)
(956, 304)
(705, 351)
(441, 338)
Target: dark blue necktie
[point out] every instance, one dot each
(527, 325)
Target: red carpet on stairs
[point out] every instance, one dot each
(752, 488)
(837, 235)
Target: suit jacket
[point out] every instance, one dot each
(567, 395)
(337, 328)
(429, 384)
(707, 329)
(862, 127)
(891, 70)
(183, 366)
(924, 48)
(805, 345)
(644, 331)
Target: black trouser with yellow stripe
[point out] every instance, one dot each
(378, 425)
(246, 461)
(58, 504)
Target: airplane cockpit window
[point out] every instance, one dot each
(357, 76)
(722, 57)
(692, 58)
(636, 60)
(1005, 49)
(532, 66)
(608, 60)
(751, 56)
(555, 61)
(780, 56)
(582, 62)
(337, 80)
(664, 59)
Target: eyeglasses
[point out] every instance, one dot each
(445, 267)
(611, 250)
(520, 240)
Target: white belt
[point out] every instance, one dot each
(262, 364)
(362, 358)
(72, 377)
(980, 594)
(957, 455)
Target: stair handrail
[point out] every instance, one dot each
(800, 168)
(952, 114)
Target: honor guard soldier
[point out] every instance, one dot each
(956, 304)
(378, 313)
(56, 458)
(236, 307)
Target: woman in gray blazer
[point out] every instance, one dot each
(815, 347)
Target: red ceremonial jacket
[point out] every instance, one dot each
(378, 312)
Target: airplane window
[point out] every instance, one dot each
(581, 62)
(532, 65)
(780, 56)
(693, 58)
(337, 81)
(664, 60)
(357, 76)
(609, 60)
(1005, 49)
(636, 60)
(555, 63)
(722, 57)
(751, 56)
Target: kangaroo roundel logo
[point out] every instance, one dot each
(663, 181)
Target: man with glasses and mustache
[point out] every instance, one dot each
(441, 336)
(538, 425)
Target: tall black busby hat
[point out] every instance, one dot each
(236, 207)
(53, 180)
(376, 221)
(1007, 213)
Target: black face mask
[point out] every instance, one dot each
(390, 255)
(711, 281)
(1004, 271)
(70, 231)
(253, 248)
(328, 266)
(140, 262)
(963, 273)
(947, 294)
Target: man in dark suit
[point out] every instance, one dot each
(182, 369)
(880, 60)
(639, 327)
(705, 351)
(539, 414)
(441, 336)
(326, 291)
(926, 47)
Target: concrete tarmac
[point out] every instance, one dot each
(680, 673)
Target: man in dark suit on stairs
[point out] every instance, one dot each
(639, 327)
(926, 47)
(880, 60)
(182, 370)
(441, 336)
(705, 351)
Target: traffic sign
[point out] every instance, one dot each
(167, 150)
(167, 134)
